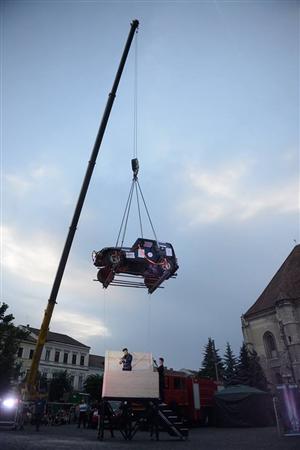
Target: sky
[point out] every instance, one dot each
(218, 146)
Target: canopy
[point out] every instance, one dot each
(243, 406)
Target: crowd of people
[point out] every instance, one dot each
(39, 412)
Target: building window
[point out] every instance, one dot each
(72, 380)
(56, 357)
(270, 345)
(80, 383)
(31, 354)
(20, 352)
(66, 358)
(82, 360)
(74, 358)
(47, 355)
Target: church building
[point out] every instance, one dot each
(271, 326)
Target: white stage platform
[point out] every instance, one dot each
(140, 382)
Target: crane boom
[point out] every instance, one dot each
(32, 375)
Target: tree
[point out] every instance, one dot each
(249, 370)
(230, 365)
(42, 382)
(93, 386)
(212, 366)
(10, 337)
(258, 378)
(60, 384)
(242, 375)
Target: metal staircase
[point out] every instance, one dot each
(170, 422)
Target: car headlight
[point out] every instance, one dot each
(10, 402)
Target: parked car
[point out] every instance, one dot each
(115, 410)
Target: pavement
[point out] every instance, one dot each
(67, 437)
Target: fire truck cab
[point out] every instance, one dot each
(191, 396)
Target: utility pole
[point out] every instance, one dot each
(32, 375)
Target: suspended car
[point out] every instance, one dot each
(146, 264)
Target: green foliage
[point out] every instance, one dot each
(244, 360)
(42, 382)
(230, 365)
(10, 337)
(60, 384)
(258, 378)
(212, 366)
(93, 386)
(249, 371)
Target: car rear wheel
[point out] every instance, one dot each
(105, 276)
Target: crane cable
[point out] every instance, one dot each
(135, 97)
(135, 185)
(149, 317)
(135, 123)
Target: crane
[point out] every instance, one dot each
(30, 384)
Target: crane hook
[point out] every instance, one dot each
(135, 167)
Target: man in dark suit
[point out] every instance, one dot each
(126, 360)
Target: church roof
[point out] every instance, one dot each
(285, 285)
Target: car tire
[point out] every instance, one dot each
(105, 276)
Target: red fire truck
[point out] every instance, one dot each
(191, 396)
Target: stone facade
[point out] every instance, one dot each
(61, 352)
(272, 325)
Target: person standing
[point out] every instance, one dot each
(161, 377)
(39, 410)
(83, 412)
(126, 360)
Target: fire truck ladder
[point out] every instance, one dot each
(170, 422)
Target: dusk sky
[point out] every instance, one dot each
(218, 146)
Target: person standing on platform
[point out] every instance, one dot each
(126, 360)
(161, 377)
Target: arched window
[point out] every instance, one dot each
(270, 345)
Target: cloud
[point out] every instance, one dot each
(80, 325)
(25, 183)
(218, 184)
(229, 193)
(34, 258)
(18, 184)
(282, 199)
